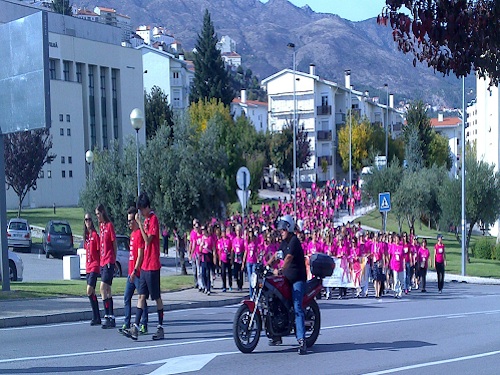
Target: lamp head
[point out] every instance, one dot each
(89, 156)
(136, 119)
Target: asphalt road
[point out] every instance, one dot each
(455, 332)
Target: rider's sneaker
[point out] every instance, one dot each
(159, 335)
(275, 341)
(302, 347)
(134, 332)
(143, 329)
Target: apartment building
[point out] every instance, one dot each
(255, 111)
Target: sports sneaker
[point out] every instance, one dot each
(230, 289)
(275, 341)
(159, 335)
(108, 323)
(223, 290)
(134, 332)
(143, 329)
(123, 330)
(302, 347)
(95, 322)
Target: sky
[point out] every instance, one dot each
(353, 10)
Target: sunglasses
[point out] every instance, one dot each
(88, 219)
(130, 221)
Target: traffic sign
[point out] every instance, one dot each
(384, 202)
(243, 178)
(244, 196)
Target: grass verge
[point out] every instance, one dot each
(40, 216)
(78, 288)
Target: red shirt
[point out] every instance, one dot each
(108, 237)
(92, 250)
(136, 243)
(152, 251)
(439, 248)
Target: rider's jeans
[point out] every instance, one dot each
(298, 295)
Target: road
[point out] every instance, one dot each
(456, 332)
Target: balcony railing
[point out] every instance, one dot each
(324, 110)
(328, 159)
(324, 135)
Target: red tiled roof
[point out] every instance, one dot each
(86, 12)
(447, 121)
(250, 102)
(109, 10)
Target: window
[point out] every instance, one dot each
(70, 160)
(49, 174)
(63, 160)
(63, 174)
(61, 117)
(68, 132)
(66, 70)
(79, 72)
(68, 118)
(40, 175)
(61, 131)
(70, 174)
(176, 75)
(52, 69)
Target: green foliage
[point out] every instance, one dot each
(62, 7)
(211, 80)
(383, 180)
(484, 248)
(450, 198)
(157, 111)
(417, 122)
(439, 151)
(244, 79)
(413, 151)
(496, 251)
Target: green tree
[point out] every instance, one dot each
(362, 142)
(411, 197)
(439, 151)
(211, 80)
(25, 155)
(158, 111)
(413, 151)
(418, 122)
(62, 7)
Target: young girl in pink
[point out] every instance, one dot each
(397, 266)
(224, 251)
(423, 262)
(440, 262)
(238, 245)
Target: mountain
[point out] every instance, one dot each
(332, 43)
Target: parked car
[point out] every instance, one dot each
(122, 255)
(19, 234)
(16, 267)
(58, 239)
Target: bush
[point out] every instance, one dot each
(483, 249)
(496, 251)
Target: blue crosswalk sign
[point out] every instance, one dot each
(384, 202)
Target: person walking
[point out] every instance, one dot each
(150, 270)
(397, 265)
(423, 262)
(238, 245)
(224, 249)
(180, 247)
(92, 265)
(207, 257)
(136, 257)
(107, 262)
(440, 262)
(194, 254)
(250, 256)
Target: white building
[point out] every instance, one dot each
(111, 17)
(253, 110)
(226, 44)
(171, 74)
(94, 85)
(322, 107)
(151, 35)
(451, 129)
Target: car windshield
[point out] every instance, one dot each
(59, 228)
(17, 225)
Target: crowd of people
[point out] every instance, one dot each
(231, 248)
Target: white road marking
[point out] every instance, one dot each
(184, 364)
(194, 342)
(435, 363)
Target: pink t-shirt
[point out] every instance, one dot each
(252, 251)
(439, 253)
(423, 257)
(397, 258)
(377, 251)
(238, 249)
(224, 247)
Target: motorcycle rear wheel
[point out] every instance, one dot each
(246, 338)
(313, 323)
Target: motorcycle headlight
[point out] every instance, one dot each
(253, 280)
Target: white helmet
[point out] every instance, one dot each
(286, 222)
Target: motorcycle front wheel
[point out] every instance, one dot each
(246, 337)
(313, 323)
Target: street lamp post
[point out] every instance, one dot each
(387, 127)
(294, 129)
(349, 109)
(89, 157)
(137, 120)
(464, 221)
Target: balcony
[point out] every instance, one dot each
(324, 110)
(339, 118)
(324, 135)
(327, 158)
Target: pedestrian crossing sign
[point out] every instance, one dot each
(384, 202)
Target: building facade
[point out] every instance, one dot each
(253, 110)
(322, 107)
(451, 129)
(94, 85)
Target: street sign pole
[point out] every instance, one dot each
(384, 204)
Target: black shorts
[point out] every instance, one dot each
(107, 273)
(92, 279)
(150, 284)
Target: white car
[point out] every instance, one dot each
(16, 267)
(122, 255)
(19, 233)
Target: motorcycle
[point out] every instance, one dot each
(271, 307)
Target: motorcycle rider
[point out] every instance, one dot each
(294, 270)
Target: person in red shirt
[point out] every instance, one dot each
(440, 262)
(92, 266)
(150, 269)
(136, 256)
(107, 262)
